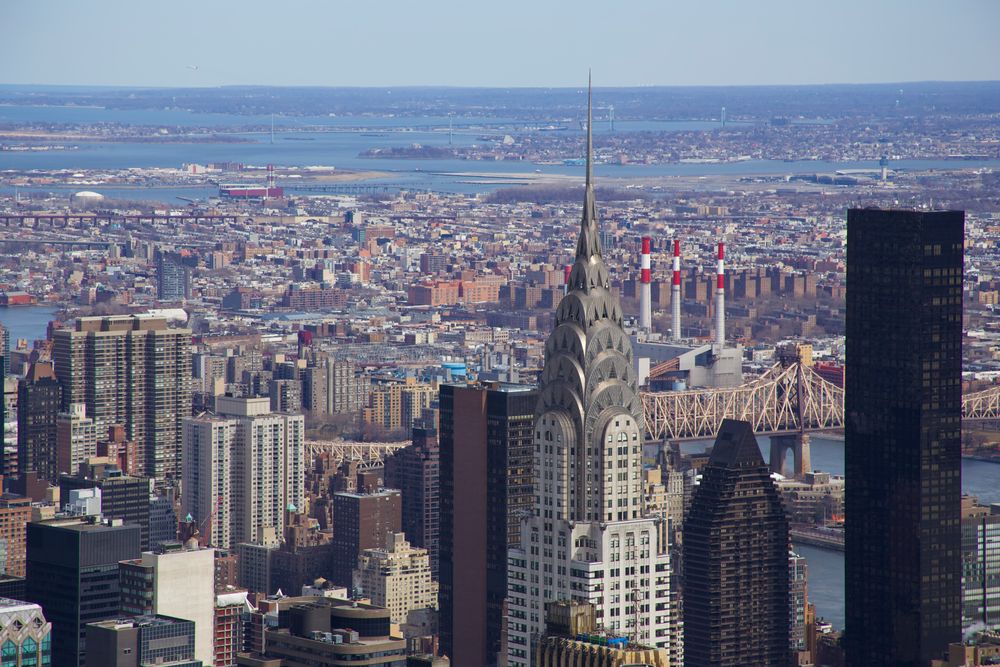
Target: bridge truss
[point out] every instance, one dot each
(368, 454)
(982, 404)
(787, 398)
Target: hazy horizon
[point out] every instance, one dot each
(310, 43)
(419, 86)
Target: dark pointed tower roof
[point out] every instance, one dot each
(735, 559)
(736, 446)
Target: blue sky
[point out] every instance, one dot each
(502, 43)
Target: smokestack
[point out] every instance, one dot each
(720, 298)
(645, 296)
(567, 270)
(675, 293)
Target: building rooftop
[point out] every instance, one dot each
(380, 492)
(736, 446)
(8, 605)
(89, 524)
(140, 622)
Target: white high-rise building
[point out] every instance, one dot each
(178, 582)
(397, 577)
(589, 538)
(207, 497)
(76, 438)
(243, 468)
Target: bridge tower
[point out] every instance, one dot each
(798, 444)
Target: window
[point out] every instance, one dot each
(29, 653)
(8, 654)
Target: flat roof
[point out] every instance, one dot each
(10, 605)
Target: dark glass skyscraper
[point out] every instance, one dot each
(38, 398)
(736, 593)
(903, 406)
(486, 466)
(72, 572)
(415, 471)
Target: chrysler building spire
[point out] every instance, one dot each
(589, 244)
(588, 389)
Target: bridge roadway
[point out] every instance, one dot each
(352, 188)
(84, 243)
(90, 220)
(780, 401)
(786, 399)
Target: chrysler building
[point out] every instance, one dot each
(587, 538)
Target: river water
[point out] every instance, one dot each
(28, 322)
(295, 145)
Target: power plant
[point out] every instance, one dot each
(251, 191)
(645, 293)
(673, 362)
(675, 294)
(720, 297)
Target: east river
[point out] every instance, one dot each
(826, 567)
(28, 322)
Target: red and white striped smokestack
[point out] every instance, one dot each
(720, 297)
(567, 270)
(645, 295)
(675, 293)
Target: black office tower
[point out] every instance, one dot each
(486, 486)
(122, 496)
(38, 399)
(903, 406)
(736, 609)
(72, 569)
(416, 471)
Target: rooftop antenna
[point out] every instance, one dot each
(590, 126)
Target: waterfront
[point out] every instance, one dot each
(28, 322)
(826, 566)
(340, 141)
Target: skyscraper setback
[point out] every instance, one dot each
(133, 371)
(587, 537)
(736, 608)
(903, 410)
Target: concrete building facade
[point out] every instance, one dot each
(176, 581)
(133, 371)
(396, 576)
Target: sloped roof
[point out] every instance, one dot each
(736, 446)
